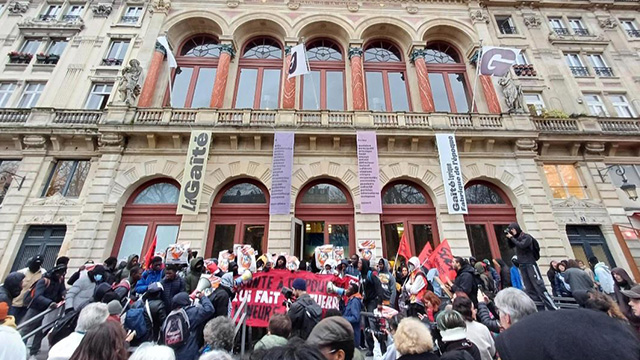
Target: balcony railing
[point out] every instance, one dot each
(561, 31)
(14, 115)
(508, 30)
(619, 125)
(556, 125)
(579, 70)
(603, 71)
(71, 18)
(581, 32)
(77, 117)
(45, 17)
(129, 19)
(633, 33)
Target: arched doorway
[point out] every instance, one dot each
(239, 215)
(326, 210)
(490, 212)
(149, 212)
(407, 207)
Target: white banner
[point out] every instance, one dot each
(451, 173)
(195, 168)
(170, 58)
(298, 65)
(496, 61)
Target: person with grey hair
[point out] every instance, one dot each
(91, 315)
(219, 334)
(150, 351)
(216, 355)
(513, 305)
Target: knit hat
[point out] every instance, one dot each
(4, 311)
(331, 330)
(299, 284)
(180, 300)
(154, 288)
(115, 308)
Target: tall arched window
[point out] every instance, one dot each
(196, 73)
(240, 215)
(407, 209)
(447, 77)
(260, 74)
(385, 76)
(323, 87)
(490, 212)
(150, 212)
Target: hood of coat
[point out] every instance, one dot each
(193, 265)
(227, 280)
(13, 283)
(365, 268)
(468, 269)
(515, 226)
(385, 265)
(627, 281)
(130, 260)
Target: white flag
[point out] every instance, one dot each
(170, 58)
(298, 65)
(496, 61)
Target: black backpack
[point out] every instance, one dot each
(175, 330)
(535, 248)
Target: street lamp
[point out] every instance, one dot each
(629, 189)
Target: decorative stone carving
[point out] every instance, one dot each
(34, 142)
(594, 148)
(512, 94)
(18, 8)
(34, 23)
(353, 6)
(54, 200)
(608, 23)
(573, 202)
(526, 145)
(129, 88)
(160, 6)
(412, 9)
(355, 51)
(229, 49)
(478, 16)
(102, 10)
(233, 3)
(293, 5)
(416, 54)
(111, 140)
(532, 21)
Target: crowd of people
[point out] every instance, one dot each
(158, 311)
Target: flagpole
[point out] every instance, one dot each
(475, 82)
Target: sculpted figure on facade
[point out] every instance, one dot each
(18, 8)
(129, 88)
(512, 94)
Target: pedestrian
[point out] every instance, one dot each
(516, 278)
(466, 280)
(223, 295)
(579, 281)
(513, 305)
(562, 286)
(153, 274)
(551, 276)
(352, 311)
(414, 287)
(633, 295)
(304, 313)
(12, 346)
(32, 273)
(505, 273)
(219, 334)
(453, 330)
(371, 290)
(172, 284)
(528, 252)
(388, 283)
(586, 269)
(602, 276)
(278, 335)
(124, 273)
(196, 267)
(412, 341)
(334, 338)
(92, 315)
(476, 332)
(150, 351)
(81, 293)
(104, 342)
(180, 330)
(11, 288)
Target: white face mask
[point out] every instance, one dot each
(411, 267)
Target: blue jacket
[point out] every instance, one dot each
(352, 314)
(148, 278)
(516, 279)
(198, 316)
(171, 288)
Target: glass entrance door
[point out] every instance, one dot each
(318, 233)
(587, 241)
(487, 241)
(239, 232)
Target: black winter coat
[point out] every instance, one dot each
(300, 322)
(522, 242)
(484, 317)
(171, 288)
(370, 285)
(11, 287)
(220, 300)
(467, 281)
(47, 291)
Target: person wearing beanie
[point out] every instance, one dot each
(197, 315)
(115, 309)
(12, 346)
(333, 336)
(5, 318)
(11, 287)
(304, 312)
(32, 273)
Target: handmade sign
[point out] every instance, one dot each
(246, 257)
(177, 254)
(338, 254)
(366, 249)
(224, 257)
(323, 254)
(292, 263)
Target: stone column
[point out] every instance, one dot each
(490, 94)
(426, 95)
(151, 81)
(357, 78)
(227, 52)
(289, 84)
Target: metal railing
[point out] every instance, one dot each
(240, 319)
(561, 31)
(43, 327)
(508, 30)
(579, 70)
(633, 33)
(603, 71)
(581, 32)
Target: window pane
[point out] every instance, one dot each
(132, 240)
(61, 173)
(440, 97)
(30, 46)
(181, 87)
(246, 88)
(459, 92)
(324, 194)
(398, 89)
(223, 238)
(57, 47)
(253, 235)
(483, 195)
(5, 178)
(571, 180)
(201, 46)
(392, 235)
(78, 179)
(160, 193)
(263, 48)
(270, 89)
(204, 88)
(245, 193)
(167, 235)
(403, 194)
(313, 237)
(553, 178)
(375, 91)
(506, 251)
(339, 236)
(479, 241)
(335, 91)
(311, 91)
(323, 50)
(422, 235)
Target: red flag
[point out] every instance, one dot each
(425, 253)
(403, 248)
(149, 256)
(442, 259)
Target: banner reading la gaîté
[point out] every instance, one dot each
(451, 173)
(195, 168)
(265, 298)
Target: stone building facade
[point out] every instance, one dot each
(95, 149)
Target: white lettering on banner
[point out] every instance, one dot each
(280, 200)
(451, 173)
(195, 168)
(368, 173)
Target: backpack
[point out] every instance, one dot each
(309, 323)
(134, 319)
(175, 330)
(535, 248)
(28, 297)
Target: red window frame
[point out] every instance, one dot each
(323, 67)
(260, 65)
(445, 70)
(150, 215)
(385, 68)
(238, 215)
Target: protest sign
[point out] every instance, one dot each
(366, 249)
(246, 256)
(323, 254)
(224, 257)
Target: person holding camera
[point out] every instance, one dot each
(528, 252)
(304, 313)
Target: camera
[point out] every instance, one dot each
(288, 296)
(379, 326)
(506, 230)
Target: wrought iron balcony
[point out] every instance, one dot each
(46, 17)
(633, 33)
(581, 32)
(508, 30)
(579, 70)
(561, 31)
(603, 71)
(130, 19)
(71, 18)
(111, 62)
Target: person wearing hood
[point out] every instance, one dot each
(531, 276)
(222, 296)
(414, 287)
(11, 288)
(388, 283)
(83, 289)
(551, 276)
(467, 279)
(371, 288)
(453, 331)
(623, 282)
(602, 276)
(132, 261)
(110, 264)
(505, 273)
(493, 272)
(329, 268)
(153, 274)
(487, 283)
(281, 263)
(196, 267)
(304, 313)
(562, 287)
(32, 273)
(352, 311)
(516, 278)
(197, 315)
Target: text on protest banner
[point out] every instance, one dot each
(281, 173)
(265, 299)
(369, 173)
(195, 168)
(451, 173)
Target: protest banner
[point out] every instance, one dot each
(442, 259)
(265, 299)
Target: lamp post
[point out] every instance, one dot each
(629, 189)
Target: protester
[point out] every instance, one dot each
(466, 279)
(412, 341)
(219, 334)
(513, 305)
(152, 275)
(415, 286)
(579, 281)
(538, 337)
(454, 335)
(334, 338)
(216, 355)
(516, 278)
(132, 260)
(281, 263)
(172, 284)
(486, 282)
(156, 307)
(91, 315)
(304, 313)
(279, 331)
(493, 273)
(222, 296)
(181, 327)
(115, 310)
(126, 288)
(551, 276)
(196, 267)
(487, 313)
(150, 351)
(622, 283)
(633, 295)
(434, 281)
(505, 273)
(562, 287)
(81, 293)
(602, 276)
(12, 346)
(352, 311)
(32, 273)
(76, 275)
(432, 305)
(110, 264)
(388, 283)
(476, 332)
(11, 288)
(104, 342)
(371, 290)
(586, 269)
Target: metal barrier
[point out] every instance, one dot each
(43, 327)
(240, 319)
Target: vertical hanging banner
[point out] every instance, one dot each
(195, 167)
(281, 173)
(369, 173)
(451, 173)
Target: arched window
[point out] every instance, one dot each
(407, 209)
(150, 212)
(490, 212)
(385, 76)
(196, 73)
(447, 77)
(324, 212)
(260, 74)
(240, 215)
(323, 87)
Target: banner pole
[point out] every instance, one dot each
(475, 82)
